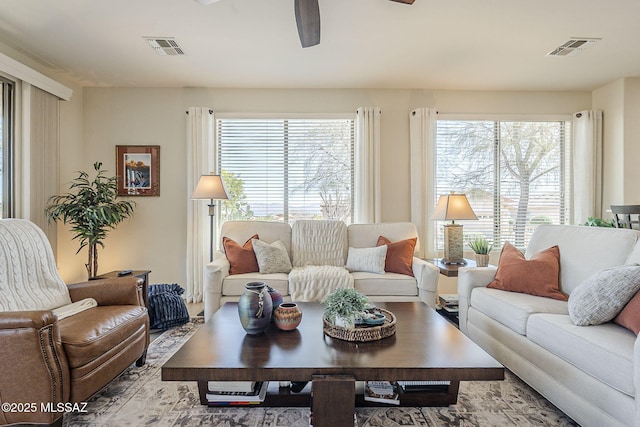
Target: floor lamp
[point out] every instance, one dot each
(210, 187)
(453, 207)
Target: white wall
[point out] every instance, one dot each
(155, 238)
(620, 103)
(631, 141)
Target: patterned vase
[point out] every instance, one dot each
(287, 316)
(255, 308)
(276, 299)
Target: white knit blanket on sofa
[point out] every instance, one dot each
(321, 242)
(315, 282)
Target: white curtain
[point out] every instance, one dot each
(422, 125)
(587, 165)
(367, 166)
(43, 157)
(201, 160)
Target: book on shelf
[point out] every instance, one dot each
(254, 396)
(382, 392)
(448, 299)
(450, 308)
(230, 385)
(415, 386)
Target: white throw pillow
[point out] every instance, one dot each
(600, 298)
(272, 258)
(367, 259)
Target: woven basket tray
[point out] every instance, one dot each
(363, 332)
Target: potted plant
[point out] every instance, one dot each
(597, 222)
(343, 306)
(482, 248)
(92, 209)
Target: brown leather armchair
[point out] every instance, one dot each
(46, 362)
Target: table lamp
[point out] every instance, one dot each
(453, 207)
(210, 187)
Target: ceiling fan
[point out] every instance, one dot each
(307, 19)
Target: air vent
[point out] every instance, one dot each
(165, 46)
(572, 46)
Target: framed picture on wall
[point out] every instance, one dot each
(138, 170)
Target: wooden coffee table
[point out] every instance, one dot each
(424, 347)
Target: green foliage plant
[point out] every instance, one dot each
(597, 222)
(480, 246)
(345, 303)
(92, 209)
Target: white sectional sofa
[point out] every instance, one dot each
(308, 243)
(592, 373)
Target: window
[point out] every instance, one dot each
(6, 145)
(287, 168)
(515, 175)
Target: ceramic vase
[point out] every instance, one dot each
(255, 308)
(482, 260)
(276, 299)
(287, 316)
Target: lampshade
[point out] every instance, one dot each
(453, 207)
(210, 187)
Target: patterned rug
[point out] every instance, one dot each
(139, 398)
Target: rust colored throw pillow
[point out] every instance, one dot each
(629, 317)
(399, 255)
(536, 276)
(242, 259)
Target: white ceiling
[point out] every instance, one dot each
(433, 44)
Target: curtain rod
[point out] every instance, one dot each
(210, 111)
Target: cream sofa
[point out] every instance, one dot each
(592, 373)
(326, 237)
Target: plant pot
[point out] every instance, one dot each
(482, 260)
(254, 308)
(287, 316)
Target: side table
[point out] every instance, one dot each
(450, 270)
(142, 274)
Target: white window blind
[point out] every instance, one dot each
(286, 169)
(514, 173)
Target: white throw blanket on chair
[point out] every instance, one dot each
(315, 282)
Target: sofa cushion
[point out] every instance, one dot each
(390, 284)
(90, 334)
(629, 317)
(513, 309)
(603, 351)
(371, 260)
(272, 257)
(584, 250)
(399, 257)
(538, 275)
(366, 235)
(242, 259)
(602, 296)
(234, 285)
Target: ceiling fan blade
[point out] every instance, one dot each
(308, 20)
(398, 1)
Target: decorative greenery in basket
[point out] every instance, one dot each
(480, 246)
(344, 305)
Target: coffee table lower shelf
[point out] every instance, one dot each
(284, 397)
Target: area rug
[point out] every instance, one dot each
(139, 398)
